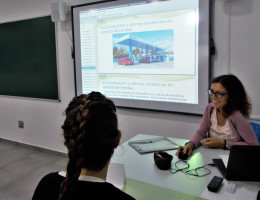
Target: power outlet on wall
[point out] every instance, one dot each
(20, 124)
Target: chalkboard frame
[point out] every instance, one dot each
(28, 62)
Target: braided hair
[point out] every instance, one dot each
(89, 130)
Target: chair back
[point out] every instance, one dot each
(256, 128)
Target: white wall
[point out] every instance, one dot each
(245, 48)
(42, 119)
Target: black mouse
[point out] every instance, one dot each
(162, 160)
(183, 156)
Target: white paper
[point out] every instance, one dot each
(247, 193)
(116, 175)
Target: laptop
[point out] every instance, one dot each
(243, 163)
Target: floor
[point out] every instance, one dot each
(22, 167)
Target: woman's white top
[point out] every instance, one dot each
(221, 132)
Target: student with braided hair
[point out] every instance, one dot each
(91, 134)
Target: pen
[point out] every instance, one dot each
(146, 142)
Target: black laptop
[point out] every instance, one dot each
(243, 163)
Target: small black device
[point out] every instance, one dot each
(162, 160)
(182, 155)
(220, 165)
(215, 183)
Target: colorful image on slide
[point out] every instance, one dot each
(148, 49)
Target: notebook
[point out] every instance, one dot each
(243, 163)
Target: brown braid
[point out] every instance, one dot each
(89, 131)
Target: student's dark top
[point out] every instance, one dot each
(49, 189)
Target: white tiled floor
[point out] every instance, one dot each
(22, 167)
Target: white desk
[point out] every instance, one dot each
(141, 167)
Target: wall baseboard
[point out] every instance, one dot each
(41, 149)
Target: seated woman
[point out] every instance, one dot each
(224, 121)
(91, 134)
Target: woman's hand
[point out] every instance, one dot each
(213, 143)
(186, 149)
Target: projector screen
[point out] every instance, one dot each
(144, 54)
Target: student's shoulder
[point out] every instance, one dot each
(48, 185)
(118, 194)
(51, 177)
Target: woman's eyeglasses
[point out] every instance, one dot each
(219, 95)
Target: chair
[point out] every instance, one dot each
(256, 128)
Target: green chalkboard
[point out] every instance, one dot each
(28, 66)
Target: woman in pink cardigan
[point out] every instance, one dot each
(225, 120)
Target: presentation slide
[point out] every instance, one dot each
(145, 51)
(145, 56)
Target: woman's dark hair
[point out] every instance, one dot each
(237, 97)
(89, 130)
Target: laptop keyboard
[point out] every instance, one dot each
(220, 165)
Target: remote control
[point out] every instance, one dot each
(215, 183)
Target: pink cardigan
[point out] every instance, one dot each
(238, 123)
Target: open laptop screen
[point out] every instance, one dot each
(243, 164)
